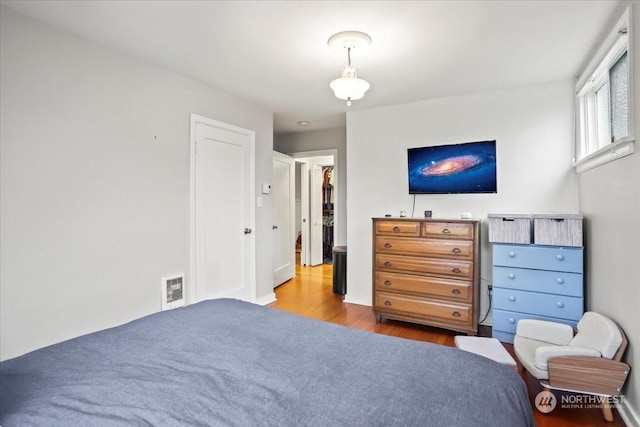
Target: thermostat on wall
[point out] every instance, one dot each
(266, 188)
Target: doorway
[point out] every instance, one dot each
(316, 204)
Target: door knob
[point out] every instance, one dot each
(275, 227)
(247, 231)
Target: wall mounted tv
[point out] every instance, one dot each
(469, 167)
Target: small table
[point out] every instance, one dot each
(490, 348)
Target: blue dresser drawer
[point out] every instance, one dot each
(553, 258)
(559, 306)
(506, 322)
(550, 282)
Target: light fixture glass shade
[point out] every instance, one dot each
(349, 88)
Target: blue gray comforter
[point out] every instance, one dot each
(231, 363)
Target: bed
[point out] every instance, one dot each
(227, 362)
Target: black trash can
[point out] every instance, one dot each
(340, 270)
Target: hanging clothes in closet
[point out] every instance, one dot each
(327, 213)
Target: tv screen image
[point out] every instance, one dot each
(469, 167)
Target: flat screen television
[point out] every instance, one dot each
(469, 167)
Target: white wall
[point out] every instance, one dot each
(610, 201)
(533, 129)
(326, 139)
(95, 210)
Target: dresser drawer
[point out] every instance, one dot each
(550, 282)
(455, 289)
(399, 228)
(455, 249)
(507, 321)
(424, 307)
(447, 230)
(538, 257)
(413, 264)
(559, 306)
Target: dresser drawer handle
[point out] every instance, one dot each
(396, 229)
(387, 245)
(456, 270)
(559, 280)
(512, 298)
(512, 320)
(455, 291)
(387, 303)
(455, 314)
(446, 231)
(512, 254)
(387, 282)
(387, 263)
(512, 276)
(456, 250)
(559, 304)
(560, 257)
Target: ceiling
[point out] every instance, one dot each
(275, 53)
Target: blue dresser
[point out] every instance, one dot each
(535, 282)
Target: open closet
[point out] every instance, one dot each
(315, 204)
(328, 200)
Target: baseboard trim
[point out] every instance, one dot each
(363, 301)
(629, 415)
(267, 299)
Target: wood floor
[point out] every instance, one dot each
(310, 294)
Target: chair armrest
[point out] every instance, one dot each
(544, 352)
(542, 330)
(595, 375)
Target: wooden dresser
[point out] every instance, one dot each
(427, 271)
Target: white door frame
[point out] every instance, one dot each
(304, 214)
(336, 205)
(196, 119)
(316, 216)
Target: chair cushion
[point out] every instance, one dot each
(542, 330)
(543, 353)
(525, 349)
(598, 332)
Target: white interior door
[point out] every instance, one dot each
(223, 186)
(315, 207)
(284, 238)
(305, 258)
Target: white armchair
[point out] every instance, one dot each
(588, 362)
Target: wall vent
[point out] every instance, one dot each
(172, 291)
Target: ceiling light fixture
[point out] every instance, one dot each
(349, 86)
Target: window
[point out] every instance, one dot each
(604, 130)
